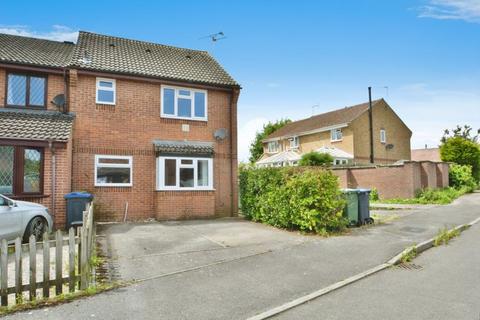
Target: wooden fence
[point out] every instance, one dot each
(79, 275)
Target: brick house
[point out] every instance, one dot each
(149, 129)
(344, 134)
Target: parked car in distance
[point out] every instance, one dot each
(23, 219)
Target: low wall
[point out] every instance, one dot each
(395, 181)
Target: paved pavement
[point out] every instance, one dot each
(235, 269)
(447, 286)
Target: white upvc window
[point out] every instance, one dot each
(294, 142)
(184, 173)
(105, 91)
(383, 136)
(184, 103)
(340, 162)
(273, 147)
(113, 171)
(336, 134)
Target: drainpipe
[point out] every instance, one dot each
(370, 120)
(52, 151)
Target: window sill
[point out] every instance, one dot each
(28, 196)
(185, 189)
(183, 118)
(26, 107)
(333, 141)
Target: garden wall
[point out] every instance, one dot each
(395, 181)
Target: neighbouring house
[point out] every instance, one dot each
(149, 129)
(344, 134)
(426, 154)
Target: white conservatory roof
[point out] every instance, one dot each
(335, 152)
(284, 156)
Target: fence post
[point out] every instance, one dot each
(18, 271)
(33, 267)
(79, 255)
(71, 259)
(46, 265)
(4, 273)
(83, 266)
(58, 262)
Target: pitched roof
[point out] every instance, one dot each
(284, 156)
(335, 152)
(117, 55)
(324, 120)
(120, 55)
(35, 125)
(32, 51)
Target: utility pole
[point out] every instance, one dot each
(370, 118)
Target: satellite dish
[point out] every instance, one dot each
(220, 134)
(59, 101)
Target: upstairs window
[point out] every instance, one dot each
(105, 91)
(273, 146)
(383, 136)
(294, 142)
(113, 171)
(336, 134)
(28, 91)
(183, 103)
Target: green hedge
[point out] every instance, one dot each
(308, 200)
(461, 176)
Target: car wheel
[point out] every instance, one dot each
(37, 227)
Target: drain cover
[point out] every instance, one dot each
(409, 266)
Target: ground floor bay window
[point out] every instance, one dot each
(184, 173)
(21, 170)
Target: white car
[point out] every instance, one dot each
(22, 219)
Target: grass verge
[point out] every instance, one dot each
(430, 196)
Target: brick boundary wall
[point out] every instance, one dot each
(395, 181)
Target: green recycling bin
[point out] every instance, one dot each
(351, 208)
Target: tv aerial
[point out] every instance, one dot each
(214, 37)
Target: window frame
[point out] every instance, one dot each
(28, 75)
(176, 90)
(113, 89)
(18, 170)
(277, 149)
(334, 136)
(296, 141)
(113, 165)
(383, 136)
(160, 178)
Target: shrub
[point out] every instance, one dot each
(316, 159)
(460, 176)
(462, 151)
(374, 195)
(307, 200)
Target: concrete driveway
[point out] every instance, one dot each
(140, 251)
(234, 269)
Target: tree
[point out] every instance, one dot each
(464, 132)
(315, 159)
(462, 150)
(256, 147)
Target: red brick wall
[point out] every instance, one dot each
(184, 204)
(128, 128)
(395, 181)
(428, 173)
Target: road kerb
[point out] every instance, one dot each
(421, 247)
